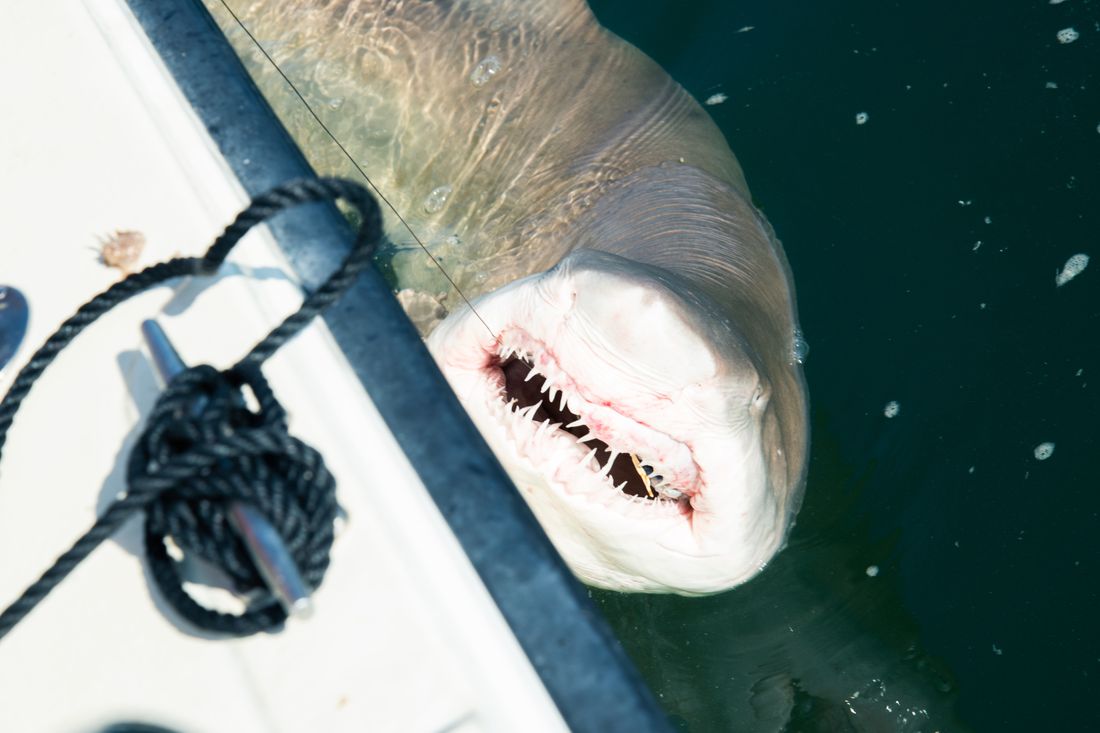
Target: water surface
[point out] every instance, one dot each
(925, 245)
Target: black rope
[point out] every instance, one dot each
(203, 448)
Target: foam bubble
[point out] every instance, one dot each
(485, 70)
(800, 349)
(1068, 35)
(1044, 451)
(1074, 266)
(437, 199)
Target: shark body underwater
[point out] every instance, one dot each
(631, 351)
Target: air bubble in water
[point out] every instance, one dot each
(437, 199)
(1044, 451)
(1074, 266)
(485, 70)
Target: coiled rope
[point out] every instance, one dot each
(202, 447)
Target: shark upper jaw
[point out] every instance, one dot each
(644, 482)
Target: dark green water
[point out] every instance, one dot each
(984, 609)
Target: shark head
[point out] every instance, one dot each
(633, 417)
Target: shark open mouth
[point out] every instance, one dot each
(524, 388)
(635, 442)
(642, 465)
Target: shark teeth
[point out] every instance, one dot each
(588, 458)
(532, 438)
(567, 459)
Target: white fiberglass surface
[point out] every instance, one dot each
(101, 141)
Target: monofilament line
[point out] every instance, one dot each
(355, 163)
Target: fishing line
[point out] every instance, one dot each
(357, 166)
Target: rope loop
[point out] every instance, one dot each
(204, 449)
